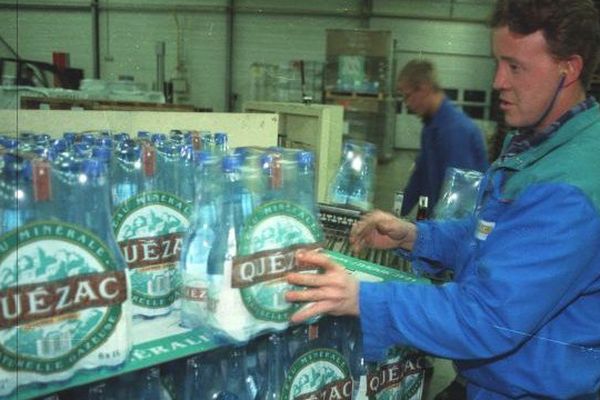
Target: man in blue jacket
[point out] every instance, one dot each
(448, 139)
(522, 316)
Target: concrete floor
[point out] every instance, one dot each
(392, 176)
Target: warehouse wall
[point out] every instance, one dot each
(448, 31)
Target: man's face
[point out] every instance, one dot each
(527, 77)
(413, 96)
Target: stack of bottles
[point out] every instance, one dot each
(65, 293)
(121, 229)
(254, 208)
(353, 186)
(321, 361)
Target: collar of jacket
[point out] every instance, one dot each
(440, 115)
(565, 133)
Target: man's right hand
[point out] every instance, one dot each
(382, 230)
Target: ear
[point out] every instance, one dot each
(571, 68)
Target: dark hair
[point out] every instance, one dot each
(570, 27)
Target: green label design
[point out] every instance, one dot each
(400, 377)
(149, 229)
(318, 374)
(273, 226)
(60, 296)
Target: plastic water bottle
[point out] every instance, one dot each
(185, 173)
(359, 370)
(229, 313)
(78, 249)
(276, 354)
(340, 187)
(16, 192)
(150, 387)
(251, 171)
(306, 181)
(221, 143)
(363, 167)
(127, 174)
(271, 164)
(237, 375)
(195, 385)
(253, 366)
(196, 282)
(207, 141)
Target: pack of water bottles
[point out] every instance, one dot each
(318, 361)
(458, 194)
(353, 185)
(254, 209)
(65, 297)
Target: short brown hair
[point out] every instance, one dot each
(419, 72)
(570, 27)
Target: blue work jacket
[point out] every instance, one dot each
(522, 317)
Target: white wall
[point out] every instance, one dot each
(443, 29)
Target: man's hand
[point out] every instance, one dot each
(382, 230)
(333, 292)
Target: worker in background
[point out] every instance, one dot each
(522, 317)
(449, 138)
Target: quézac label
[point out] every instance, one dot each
(399, 377)
(320, 373)
(61, 295)
(149, 229)
(268, 241)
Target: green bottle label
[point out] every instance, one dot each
(149, 229)
(318, 374)
(271, 235)
(61, 296)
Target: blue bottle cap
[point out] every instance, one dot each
(81, 149)
(11, 144)
(93, 167)
(266, 159)
(70, 137)
(104, 141)
(231, 162)
(158, 138)
(220, 137)
(15, 166)
(88, 138)
(59, 145)
(101, 153)
(42, 151)
(129, 149)
(119, 137)
(305, 158)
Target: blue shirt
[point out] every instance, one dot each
(448, 139)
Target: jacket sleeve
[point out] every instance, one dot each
(440, 245)
(525, 273)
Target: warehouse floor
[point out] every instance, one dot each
(393, 176)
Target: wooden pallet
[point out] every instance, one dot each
(37, 103)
